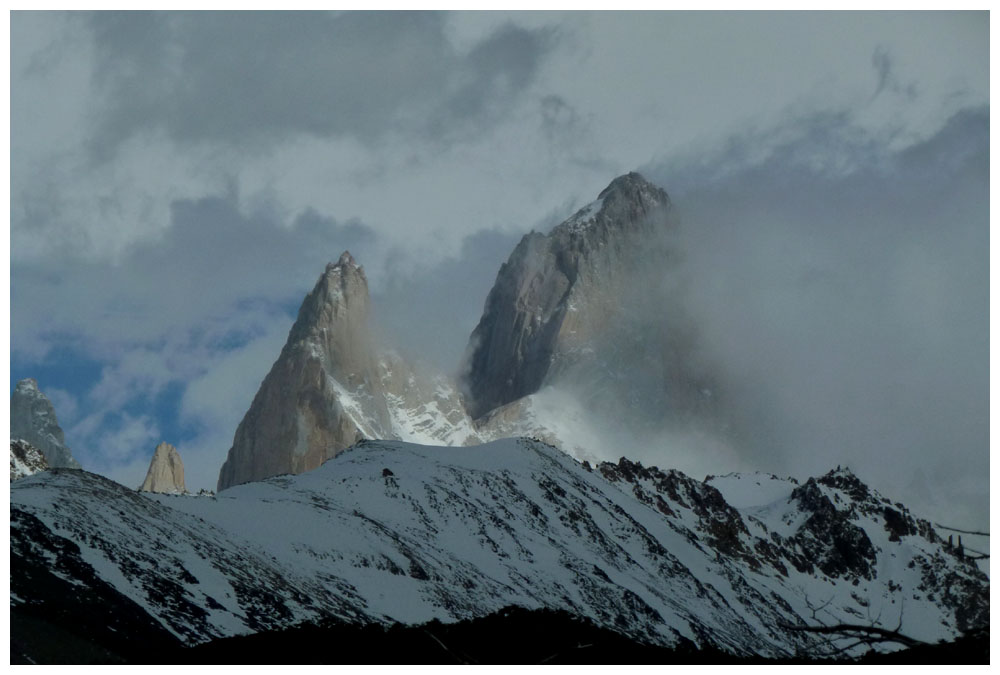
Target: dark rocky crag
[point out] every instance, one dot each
(591, 307)
(25, 459)
(33, 419)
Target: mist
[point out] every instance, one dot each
(844, 311)
(798, 316)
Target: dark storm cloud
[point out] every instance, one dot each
(241, 77)
(210, 260)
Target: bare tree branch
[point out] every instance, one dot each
(955, 529)
(978, 554)
(864, 634)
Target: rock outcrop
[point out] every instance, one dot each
(592, 307)
(33, 419)
(25, 459)
(166, 471)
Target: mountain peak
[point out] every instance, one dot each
(558, 295)
(28, 384)
(632, 187)
(345, 260)
(33, 419)
(301, 414)
(340, 294)
(627, 202)
(166, 471)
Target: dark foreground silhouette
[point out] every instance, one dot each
(510, 636)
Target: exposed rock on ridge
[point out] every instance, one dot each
(33, 419)
(25, 459)
(166, 471)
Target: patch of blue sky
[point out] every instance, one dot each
(63, 367)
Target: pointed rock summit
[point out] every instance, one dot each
(579, 308)
(322, 394)
(557, 294)
(166, 471)
(33, 419)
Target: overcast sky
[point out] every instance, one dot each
(179, 180)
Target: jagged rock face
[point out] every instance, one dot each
(25, 459)
(323, 393)
(555, 292)
(576, 308)
(33, 419)
(330, 388)
(569, 308)
(166, 471)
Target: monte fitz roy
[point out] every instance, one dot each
(363, 490)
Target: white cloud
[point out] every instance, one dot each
(110, 447)
(65, 405)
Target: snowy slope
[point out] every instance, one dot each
(424, 408)
(394, 531)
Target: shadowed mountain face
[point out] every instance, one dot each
(33, 419)
(558, 293)
(592, 316)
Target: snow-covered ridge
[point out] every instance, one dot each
(396, 531)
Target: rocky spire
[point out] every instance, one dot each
(33, 419)
(558, 293)
(322, 394)
(166, 471)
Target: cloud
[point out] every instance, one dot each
(179, 179)
(121, 115)
(121, 439)
(247, 78)
(66, 403)
(429, 313)
(845, 310)
(214, 268)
